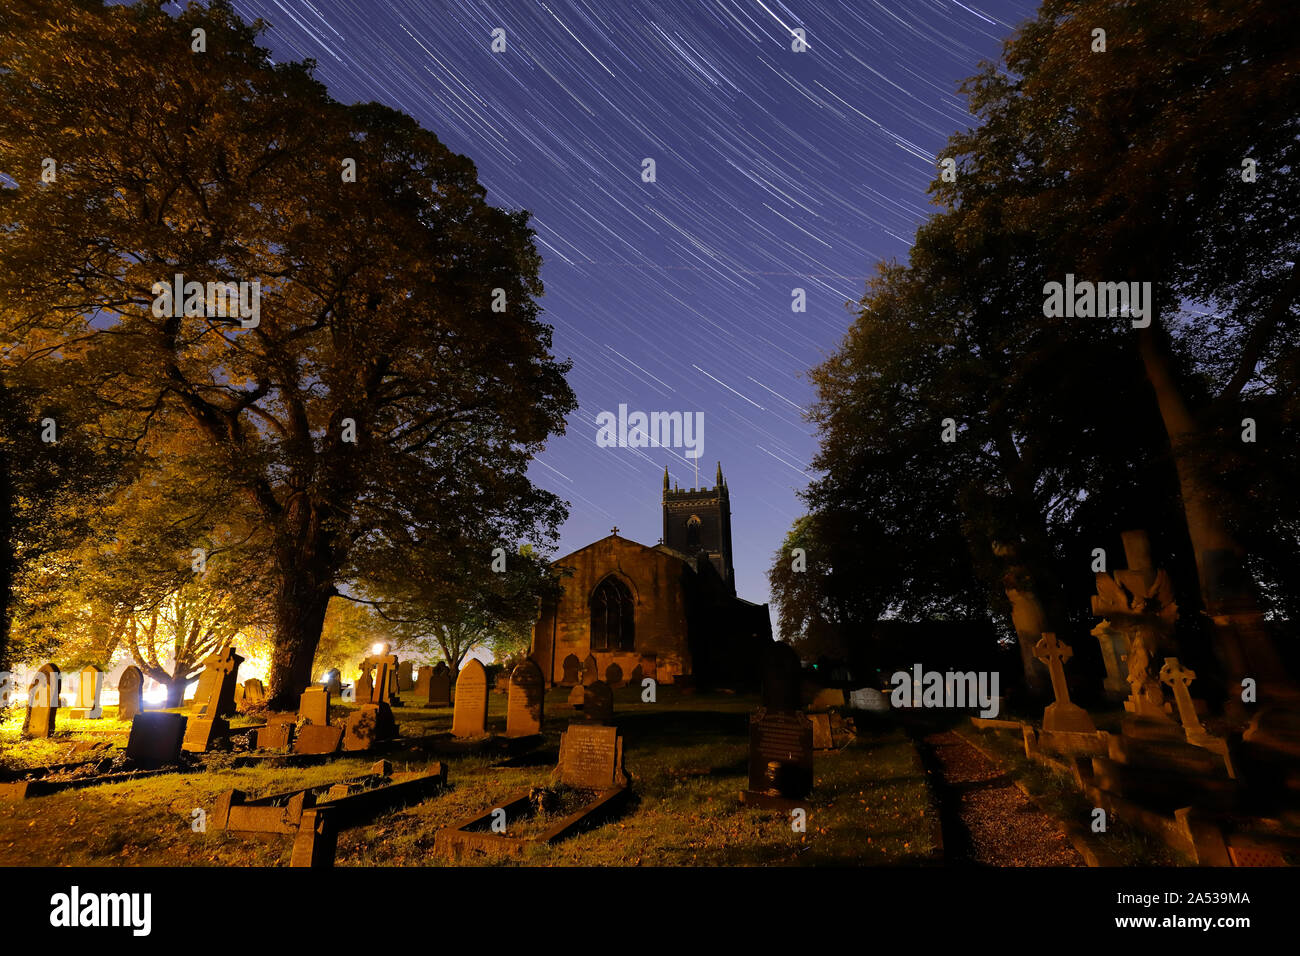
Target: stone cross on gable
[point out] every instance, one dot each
(614, 531)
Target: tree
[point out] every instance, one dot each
(376, 399)
(1130, 166)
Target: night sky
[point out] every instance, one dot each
(774, 170)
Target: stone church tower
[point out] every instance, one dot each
(699, 519)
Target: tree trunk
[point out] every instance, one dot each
(1228, 592)
(176, 689)
(302, 595)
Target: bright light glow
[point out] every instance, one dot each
(157, 694)
(377, 649)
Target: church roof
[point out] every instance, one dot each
(645, 547)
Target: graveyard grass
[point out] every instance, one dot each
(686, 756)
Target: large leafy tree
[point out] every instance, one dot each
(378, 403)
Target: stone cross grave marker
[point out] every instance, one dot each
(384, 688)
(1179, 678)
(1061, 716)
(130, 700)
(469, 719)
(216, 694)
(524, 706)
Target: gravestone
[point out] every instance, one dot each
(868, 698)
(364, 691)
(1061, 716)
(470, 716)
(42, 702)
(202, 732)
(440, 686)
(577, 694)
(318, 739)
(333, 682)
(590, 669)
(524, 707)
(368, 725)
(821, 731)
(572, 671)
(423, 678)
(277, 735)
(404, 680)
(614, 675)
(1133, 602)
(636, 677)
(156, 738)
(591, 757)
(314, 705)
(383, 689)
(90, 684)
(781, 677)
(130, 699)
(216, 694)
(780, 759)
(254, 692)
(598, 702)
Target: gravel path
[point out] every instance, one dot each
(987, 821)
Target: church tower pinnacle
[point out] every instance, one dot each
(699, 520)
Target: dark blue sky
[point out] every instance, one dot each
(774, 170)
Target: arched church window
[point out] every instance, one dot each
(612, 617)
(693, 532)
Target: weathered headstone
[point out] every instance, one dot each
(404, 680)
(314, 705)
(254, 692)
(440, 686)
(590, 669)
(469, 719)
(216, 693)
(42, 702)
(423, 679)
(202, 732)
(1061, 716)
(780, 758)
(367, 725)
(614, 675)
(636, 677)
(598, 702)
(318, 739)
(1137, 601)
(577, 694)
(130, 688)
(524, 707)
(781, 677)
(384, 687)
(365, 687)
(90, 684)
(591, 757)
(572, 671)
(277, 735)
(156, 738)
(868, 698)
(821, 736)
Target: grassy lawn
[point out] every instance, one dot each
(686, 756)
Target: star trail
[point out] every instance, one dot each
(774, 170)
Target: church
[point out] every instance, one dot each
(667, 611)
